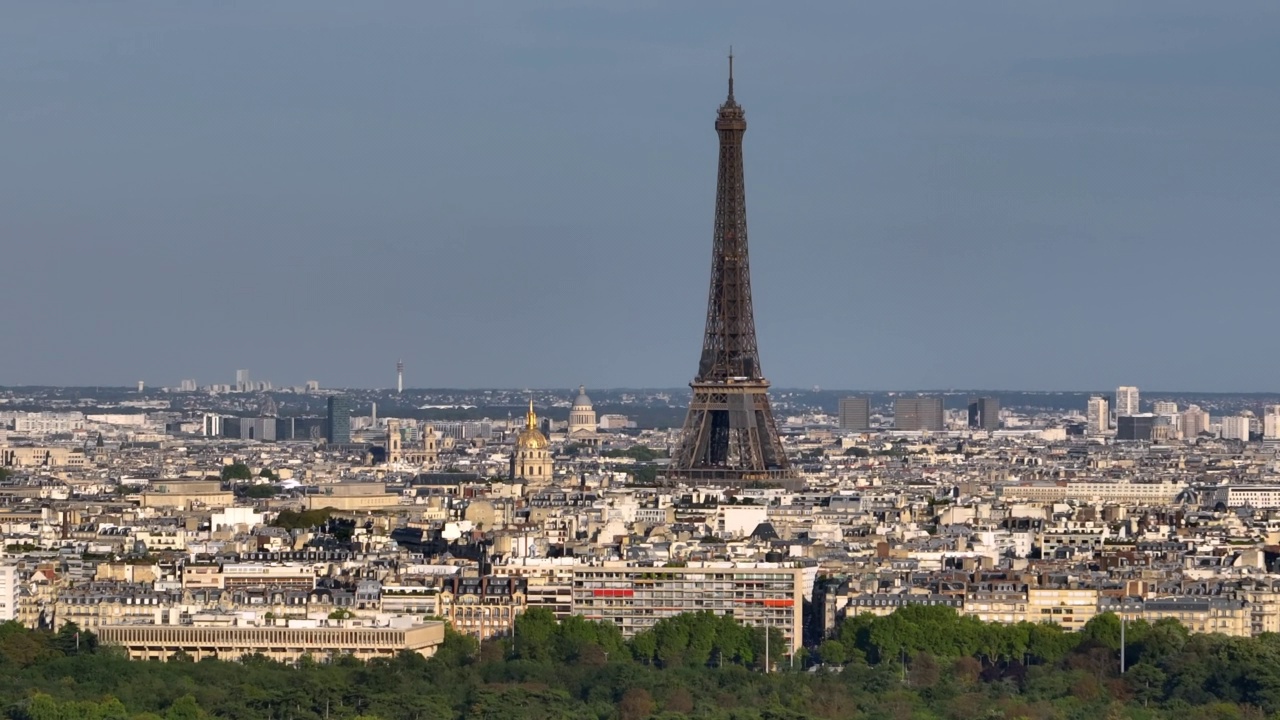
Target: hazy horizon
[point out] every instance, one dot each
(520, 194)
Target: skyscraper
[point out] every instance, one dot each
(1126, 400)
(918, 413)
(1099, 415)
(1235, 427)
(1194, 422)
(855, 414)
(984, 413)
(339, 421)
(729, 434)
(1271, 422)
(1135, 427)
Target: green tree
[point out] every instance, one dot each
(1103, 629)
(832, 652)
(535, 631)
(71, 640)
(185, 708)
(236, 471)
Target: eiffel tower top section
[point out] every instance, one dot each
(729, 344)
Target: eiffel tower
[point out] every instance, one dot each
(729, 435)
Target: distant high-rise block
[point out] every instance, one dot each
(1127, 400)
(339, 425)
(1164, 407)
(1271, 422)
(1135, 427)
(212, 425)
(984, 413)
(1235, 428)
(1099, 416)
(918, 413)
(855, 414)
(1194, 422)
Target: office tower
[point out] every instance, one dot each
(1235, 427)
(339, 425)
(1099, 416)
(984, 413)
(1271, 422)
(1126, 400)
(918, 413)
(729, 434)
(855, 414)
(242, 381)
(1164, 407)
(258, 428)
(1135, 427)
(1194, 422)
(212, 425)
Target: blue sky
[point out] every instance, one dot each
(989, 194)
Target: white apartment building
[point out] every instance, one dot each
(1235, 427)
(1164, 407)
(1099, 417)
(1126, 400)
(1194, 422)
(1271, 422)
(9, 581)
(637, 597)
(1255, 496)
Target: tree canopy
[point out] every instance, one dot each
(924, 661)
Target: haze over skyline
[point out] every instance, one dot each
(988, 195)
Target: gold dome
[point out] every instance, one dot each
(531, 438)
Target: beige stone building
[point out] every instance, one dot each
(353, 496)
(583, 428)
(1068, 606)
(25, 456)
(187, 494)
(283, 644)
(425, 454)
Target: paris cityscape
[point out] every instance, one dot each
(738, 548)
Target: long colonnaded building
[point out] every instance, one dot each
(282, 644)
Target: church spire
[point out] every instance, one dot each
(531, 418)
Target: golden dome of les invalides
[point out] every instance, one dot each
(531, 438)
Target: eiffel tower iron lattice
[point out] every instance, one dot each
(729, 435)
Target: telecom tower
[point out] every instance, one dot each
(729, 436)
(399, 376)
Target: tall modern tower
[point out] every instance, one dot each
(729, 435)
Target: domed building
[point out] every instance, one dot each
(582, 420)
(531, 462)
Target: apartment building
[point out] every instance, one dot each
(637, 597)
(1068, 606)
(9, 581)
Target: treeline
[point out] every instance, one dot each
(921, 662)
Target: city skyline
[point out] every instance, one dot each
(506, 195)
